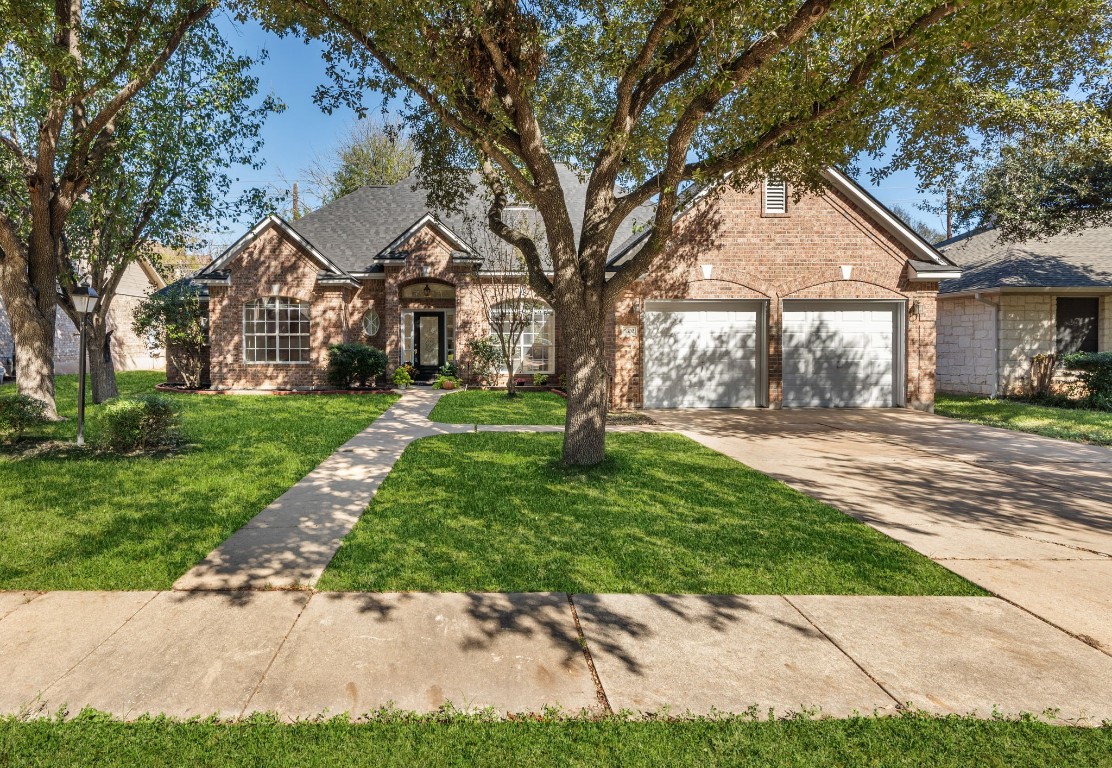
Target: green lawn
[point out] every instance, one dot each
(93, 521)
(477, 406)
(911, 740)
(1080, 426)
(496, 512)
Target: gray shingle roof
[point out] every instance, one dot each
(354, 229)
(1079, 260)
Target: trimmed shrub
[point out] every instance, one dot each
(354, 364)
(141, 424)
(1094, 371)
(486, 359)
(18, 413)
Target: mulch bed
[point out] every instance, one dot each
(187, 391)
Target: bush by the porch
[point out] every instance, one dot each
(354, 364)
(1094, 371)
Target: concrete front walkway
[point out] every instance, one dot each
(1026, 517)
(290, 543)
(302, 654)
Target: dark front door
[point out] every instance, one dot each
(429, 343)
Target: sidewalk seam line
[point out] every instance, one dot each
(96, 647)
(278, 650)
(844, 652)
(600, 692)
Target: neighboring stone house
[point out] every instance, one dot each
(129, 351)
(1016, 301)
(762, 300)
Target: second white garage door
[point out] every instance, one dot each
(841, 354)
(702, 354)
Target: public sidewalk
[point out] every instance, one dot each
(302, 654)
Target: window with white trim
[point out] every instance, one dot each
(775, 196)
(536, 344)
(276, 330)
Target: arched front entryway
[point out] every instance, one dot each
(428, 327)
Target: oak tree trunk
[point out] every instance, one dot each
(588, 389)
(32, 324)
(102, 370)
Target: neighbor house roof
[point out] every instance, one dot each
(1076, 260)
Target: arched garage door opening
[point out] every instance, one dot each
(705, 354)
(843, 354)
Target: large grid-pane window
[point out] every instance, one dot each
(276, 330)
(536, 346)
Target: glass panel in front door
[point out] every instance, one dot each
(430, 341)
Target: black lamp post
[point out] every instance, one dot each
(84, 301)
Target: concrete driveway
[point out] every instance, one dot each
(1027, 518)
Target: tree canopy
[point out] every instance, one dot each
(370, 153)
(68, 73)
(165, 176)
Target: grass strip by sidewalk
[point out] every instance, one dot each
(908, 740)
(492, 406)
(1076, 425)
(497, 512)
(73, 520)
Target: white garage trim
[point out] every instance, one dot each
(852, 325)
(671, 377)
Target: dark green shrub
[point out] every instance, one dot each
(449, 369)
(143, 423)
(354, 364)
(1094, 371)
(18, 413)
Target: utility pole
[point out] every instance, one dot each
(949, 213)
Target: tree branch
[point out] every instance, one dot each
(534, 268)
(775, 136)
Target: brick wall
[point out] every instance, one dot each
(776, 258)
(966, 341)
(273, 265)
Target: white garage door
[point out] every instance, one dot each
(841, 354)
(702, 354)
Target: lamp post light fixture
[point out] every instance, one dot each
(84, 302)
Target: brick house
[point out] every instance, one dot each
(1015, 301)
(762, 300)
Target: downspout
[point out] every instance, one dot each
(995, 342)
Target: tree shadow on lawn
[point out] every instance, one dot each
(494, 513)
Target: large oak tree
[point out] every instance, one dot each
(68, 72)
(166, 176)
(647, 97)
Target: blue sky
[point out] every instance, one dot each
(301, 133)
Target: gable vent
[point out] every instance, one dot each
(775, 196)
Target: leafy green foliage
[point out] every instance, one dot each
(486, 358)
(371, 154)
(177, 317)
(661, 515)
(18, 413)
(354, 364)
(1038, 187)
(94, 520)
(1094, 369)
(142, 423)
(403, 376)
(69, 74)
